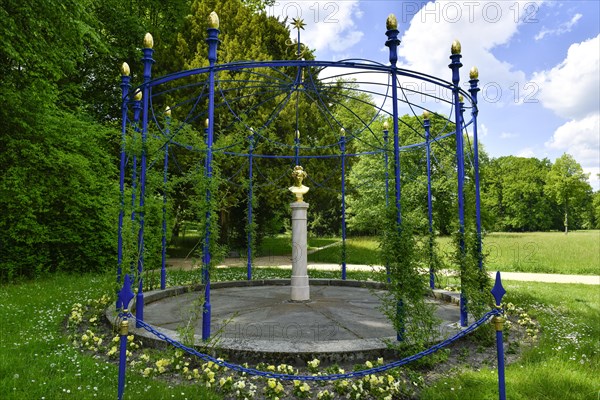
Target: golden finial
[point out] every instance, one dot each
(455, 49)
(148, 41)
(426, 114)
(342, 132)
(474, 73)
(461, 99)
(298, 23)
(125, 69)
(386, 125)
(137, 95)
(206, 123)
(213, 20)
(391, 23)
(168, 111)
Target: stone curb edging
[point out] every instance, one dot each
(252, 350)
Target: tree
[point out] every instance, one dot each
(58, 186)
(513, 192)
(58, 195)
(367, 178)
(596, 207)
(567, 184)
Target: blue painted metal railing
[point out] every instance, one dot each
(126, 295)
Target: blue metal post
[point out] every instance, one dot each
(125, 78)
(473, 89)
(123, 299)
(163, 267)
(148, 61)
(401, 330)
(498, 292)
(250, 207)
(385, 161)
(137, 110)
(213, 42)
(393, 42)
(455, 66)
(426, 125)
(205, 247)
(297, 148)
(387, 183)
(343, 148)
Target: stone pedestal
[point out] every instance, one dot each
(299, 281)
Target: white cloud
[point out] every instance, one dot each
(330, 26)
(570, 89)
(562, 28)
(483, 130)
(508, 135)
(580, 138)
(527, 152)
(480, 27)
(594, 180)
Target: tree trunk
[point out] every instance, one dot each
(566, 218)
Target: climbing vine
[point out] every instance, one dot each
(405, 303)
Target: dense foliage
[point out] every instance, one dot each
(527, 194)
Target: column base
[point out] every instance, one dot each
(300, 288)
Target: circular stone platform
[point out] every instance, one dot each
(255, 321)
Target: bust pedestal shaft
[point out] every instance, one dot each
(299, 282)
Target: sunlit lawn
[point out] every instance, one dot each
(564, 364)
(37, 361)
(543, 252)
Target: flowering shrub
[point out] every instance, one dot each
(523, 319)
(301, 389)
(76, 315)
(273, 389)
(313, 365)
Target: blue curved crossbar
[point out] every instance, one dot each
(331, 377)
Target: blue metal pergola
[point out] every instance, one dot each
(282, 83)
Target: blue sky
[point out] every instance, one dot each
(538, 62)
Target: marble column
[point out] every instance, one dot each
(299, 283)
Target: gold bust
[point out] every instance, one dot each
(298, 174)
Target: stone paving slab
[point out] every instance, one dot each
(260, 322)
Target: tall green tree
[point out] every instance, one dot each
(275, 105)
(58, 197)
(513, 193)
(568, 185)
(596, 207)
(57, 182)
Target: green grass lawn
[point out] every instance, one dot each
(359, 250)
(37, 360)
(281, 245)
(549, 252)
(544, 252)
(564, 364)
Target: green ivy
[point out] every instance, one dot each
(405, 304)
